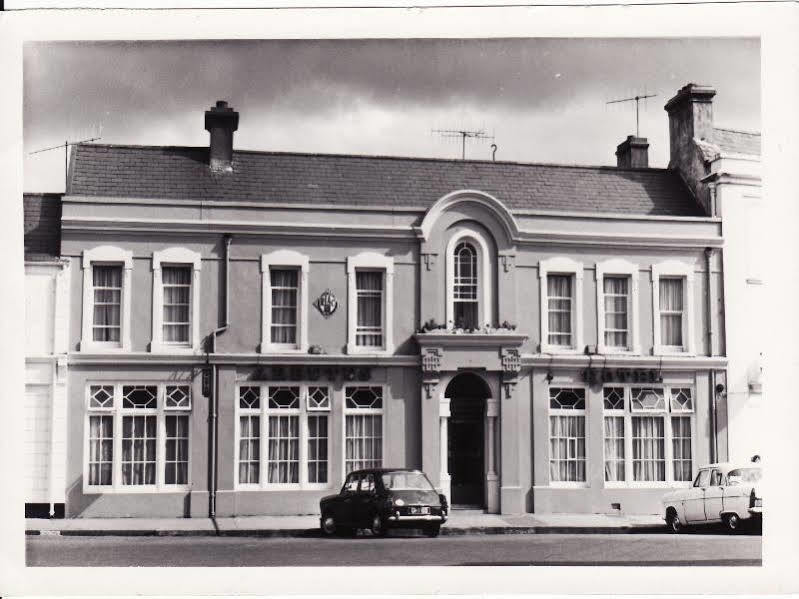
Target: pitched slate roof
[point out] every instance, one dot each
(737, 142)
(42, 222)
(183, 173)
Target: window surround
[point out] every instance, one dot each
(264, 411)
(361, 411)
(117, 412)
(616, 267)
(674, 268)
(484, 277)
(370, 260)
(570, 484)
(106, 254)
(288, 259)
(175, 256)
(561, 266)
(668, 451)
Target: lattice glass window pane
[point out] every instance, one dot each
(369, 305)
(284, 449)
(284, 398)
(139, 396)
(177, 396)
(649, 458)
(559, 309)
(616, 297)
(681, 447)
(249, 398)
(317, 448)
(101, 449)
(176, 463)
(364, 397)
(284, 284)
(647, 399)
(101, 396)
(567, 448)
(613, 398)
(107, 295)
(363, 441)
(614, 448)
(561, 398)
(318, 398)
(138, 450)
(682, 400)
(249, 449)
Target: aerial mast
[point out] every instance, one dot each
(65, 145)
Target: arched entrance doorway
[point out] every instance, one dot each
(467, 393)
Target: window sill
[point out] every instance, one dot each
(102, 348)
(666, 350)
(272, 348)
(272, 487)
(135, 489)
(165, 348)
(617, 351)
(369, 351)
(569, 485)
(559, 349)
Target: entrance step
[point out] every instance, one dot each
(468, 510)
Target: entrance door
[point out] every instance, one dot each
(465, 452)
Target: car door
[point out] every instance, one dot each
(714, 496)
(345, 505)
(695, 497)
(362, 504)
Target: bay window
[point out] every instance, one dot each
(561, 305)
(287, 424)
(137, 437)
(567, 443)
(363, 428)
(370, 283)
(284, 302)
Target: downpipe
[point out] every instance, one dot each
(710, 336)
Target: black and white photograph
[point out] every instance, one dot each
(395, 301)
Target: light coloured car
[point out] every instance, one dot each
(726, 492)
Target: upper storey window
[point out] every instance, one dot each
(617, 306)
(560, 310)
(106, 299)
(672, 307)
(107, 291)
(370, 283)
(561, 284)
(176, 300)
(465, 291)
(284, 297)
(369, 292)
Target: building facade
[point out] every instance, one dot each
(247, 327)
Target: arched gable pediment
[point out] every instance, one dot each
(486, 203)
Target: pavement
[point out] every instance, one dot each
(466, 522)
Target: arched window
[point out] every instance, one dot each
(465, 287)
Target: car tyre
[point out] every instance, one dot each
(673, 522)
(432, 530)
(378, 527)
(329, 526)
(732, 522)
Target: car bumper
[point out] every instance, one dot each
(756, 511)
(420, 518)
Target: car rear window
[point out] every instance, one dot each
(744, 475)
(406, 481)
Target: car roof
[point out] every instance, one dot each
(383, 470)
(732, 465)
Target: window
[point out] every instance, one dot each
(370, 303)
(284, 281)
(648, 434)
(363, 424)
(176, 303)
(469, 280)
(137, 437)
(672, 293)
(617, 306)
(294, 439)
(106, 299)
(567, 435)
(561, 305)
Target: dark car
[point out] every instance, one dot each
(382, 498)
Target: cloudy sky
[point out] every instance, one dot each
(544, 100)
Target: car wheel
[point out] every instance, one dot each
(328, 525)
(733, 522)
(378, 527)
(432, 530)
(674, 523)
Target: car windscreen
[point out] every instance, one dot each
(744, 475)
(406, 481)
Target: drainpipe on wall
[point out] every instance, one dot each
(214, 403)
(714, 448)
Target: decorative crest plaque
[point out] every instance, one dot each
(326, 303)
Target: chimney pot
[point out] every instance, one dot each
(633, 152)
(221, 121)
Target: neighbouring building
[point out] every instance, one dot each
(47, 329)
(246, 327)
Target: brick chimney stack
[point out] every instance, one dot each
(633, 152)
(221, 121)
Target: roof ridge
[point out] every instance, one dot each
(385, 157)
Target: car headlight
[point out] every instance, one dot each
(399, 502)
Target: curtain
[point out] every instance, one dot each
(107, 281)
(671, 307)
(249, 448)
(317, 448)
(614, 448)
(284, 305)
(559, 292)
(681, 447)
(567, 448)
(369, 286)
(616, 295)
(176, 281)
(363, 441)
(101, 449)
(138, 450)
(177, 450)
(284, 449)
(649, 460)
